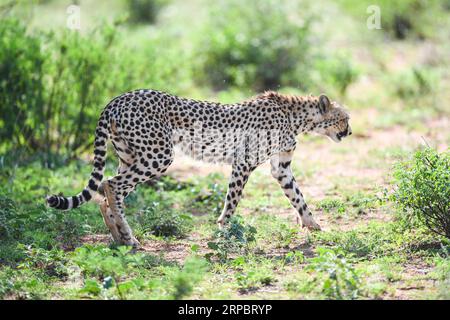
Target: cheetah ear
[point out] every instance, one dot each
(324, 104)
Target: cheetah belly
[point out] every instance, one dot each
(226, 148)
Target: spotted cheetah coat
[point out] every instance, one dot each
(145, 125)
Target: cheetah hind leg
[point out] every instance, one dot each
(108, 218)
(119, 222)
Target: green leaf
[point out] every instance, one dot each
(213, 245)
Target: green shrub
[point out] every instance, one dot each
(117, 273)
(145, 11)
(102, 262)
(51, 262)
(334, 72)
(208, 195)
(160, 219)
(53, 85)
(50, 96)
(254, 276)
(114, 268)
(182, 281)
(41, 226)
(329, 205)
(21, 84)
(403, 19)
(414, 84)
(338, 278)
(423, 190)
(23, 284)
(7, 211)
(234, 238)
(255, 44)
(442, 274)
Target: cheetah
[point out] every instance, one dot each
(144, 126)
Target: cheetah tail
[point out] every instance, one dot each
(101, 138)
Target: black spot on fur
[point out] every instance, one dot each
(75, 202)
(86, 195)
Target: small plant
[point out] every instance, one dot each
(294, 257)
(253, 272)
(254, 278)
(284, 235)
(103, 262)
(52, 262)
(208, 195)
(336, 71)
(414, 84)
(110, 266)
(183, 281)
(329, 205)
(8, 211)
(145, 11)
(162, 220)
(355, 244)
(338, 278)
(361, 202)
(39, 225)
(168, 183)
(233, 239)
(423, 190)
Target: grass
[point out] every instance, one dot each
(62, 258)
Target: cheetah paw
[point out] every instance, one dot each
(312, 226)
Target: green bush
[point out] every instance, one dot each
(8, 210)
(208, 195)
(21, 84)
(423, 190)
(142, 11)
(112, 267)
(234, 238)
(51, 262)
(255, 44)
(253, 277)
(51, 96)
(160, 219)
(334, 73)
(102, 262)
(182, 281)
(117, 273)
(338, 278)
(40, 226)
(330, 204)
(414, 84)
(53, 85)
(403, 19)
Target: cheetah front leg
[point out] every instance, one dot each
(239, 177)
(281, 170)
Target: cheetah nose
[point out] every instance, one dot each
(350, 133)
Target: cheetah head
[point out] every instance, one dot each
(332, 120)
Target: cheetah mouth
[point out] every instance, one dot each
(337, 137)
(343, 134)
